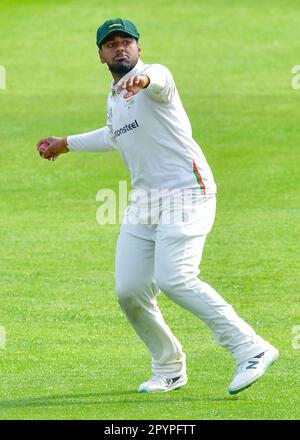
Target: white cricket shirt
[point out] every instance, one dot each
(152, 132)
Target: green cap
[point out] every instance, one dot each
(116, 25)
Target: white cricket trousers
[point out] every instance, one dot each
(165, 256)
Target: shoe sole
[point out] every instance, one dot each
(232, 392)
(174, 387)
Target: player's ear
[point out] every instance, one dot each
(101, 56)
(139, 48)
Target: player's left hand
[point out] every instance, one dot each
(134, 84)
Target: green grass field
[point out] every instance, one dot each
(70, 353)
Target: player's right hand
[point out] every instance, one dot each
(56, 146)
(134, 84)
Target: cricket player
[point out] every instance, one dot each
(147, 124)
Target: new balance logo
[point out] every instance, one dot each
(253, 363)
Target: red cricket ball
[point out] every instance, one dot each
(43, 147)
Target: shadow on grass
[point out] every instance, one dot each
(101, 398)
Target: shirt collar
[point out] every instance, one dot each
(132, 72)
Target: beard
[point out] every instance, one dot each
(122, 68)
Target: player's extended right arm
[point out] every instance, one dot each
(93, 141)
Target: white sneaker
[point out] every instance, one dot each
(162, 384)
(249, 371)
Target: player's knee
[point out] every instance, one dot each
(128, 304)
(129, 300)
(124, 291)
(127, 292)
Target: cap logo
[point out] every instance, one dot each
(116, 24)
